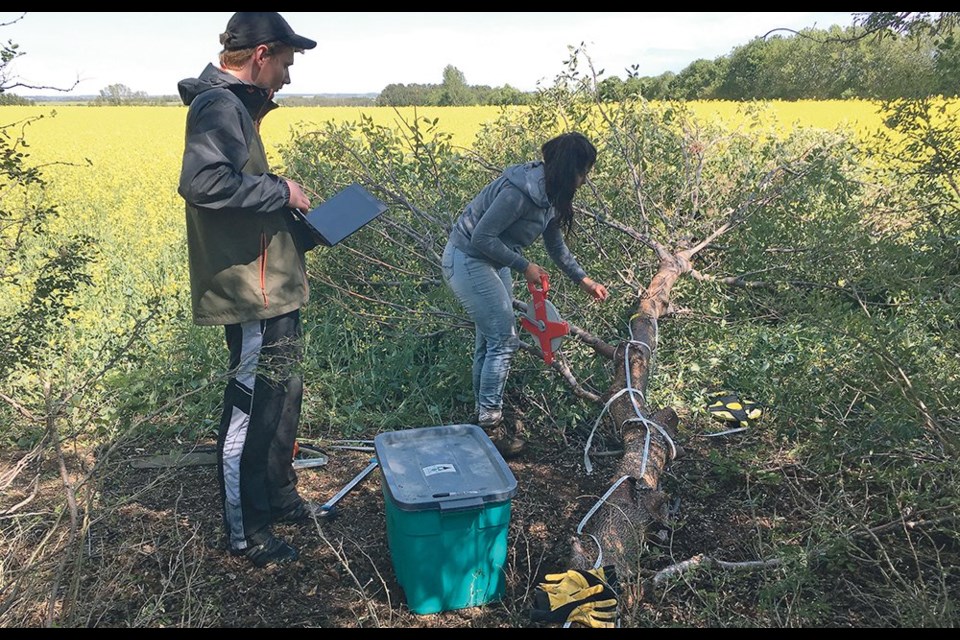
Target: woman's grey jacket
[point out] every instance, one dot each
(507, 216)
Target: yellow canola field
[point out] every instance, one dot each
(462, 122)
(856, 115)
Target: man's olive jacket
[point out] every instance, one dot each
(246, 250)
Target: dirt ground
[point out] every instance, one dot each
(154, 556)
(345, 574)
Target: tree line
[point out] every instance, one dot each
(452, 92)
(837, 63)
(858, 62)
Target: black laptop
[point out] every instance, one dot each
(342, 215)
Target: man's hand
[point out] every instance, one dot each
(298, 200)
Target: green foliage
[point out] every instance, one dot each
(383, 306)
(698, 80)
(9, 51)
(454, 91)
(883, 56)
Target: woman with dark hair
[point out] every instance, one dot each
(526, 201)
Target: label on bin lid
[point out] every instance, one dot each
(444, 467)
(439, 468)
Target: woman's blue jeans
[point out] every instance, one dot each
(486, 293)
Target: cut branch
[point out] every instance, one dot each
(707, 562)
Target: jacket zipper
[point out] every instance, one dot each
(263, 269)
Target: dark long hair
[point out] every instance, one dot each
(565, 158)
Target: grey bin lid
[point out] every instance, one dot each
(444, 467)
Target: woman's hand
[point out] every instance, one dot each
(536, 274)
(595, 289)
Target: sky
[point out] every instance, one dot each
(363, 52)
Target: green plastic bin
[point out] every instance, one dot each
(447, 492)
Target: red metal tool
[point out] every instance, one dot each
(543, 320)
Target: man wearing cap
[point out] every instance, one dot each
(248, 274)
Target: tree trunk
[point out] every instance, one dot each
(616, 532)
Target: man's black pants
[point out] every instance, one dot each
(258, 427)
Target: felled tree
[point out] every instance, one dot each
(668, 191)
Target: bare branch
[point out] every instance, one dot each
(34, 485)
(708, 562)
(69, 491)
(906, 524)
(635, 175)
(733, 281)
(41, 87)
(658, 248)
(14, 21)
(20, 408)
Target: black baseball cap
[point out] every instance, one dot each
(247, 29)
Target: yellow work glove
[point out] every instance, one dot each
(568, 582)
(601, 614)
(573, 580)
(556, 599)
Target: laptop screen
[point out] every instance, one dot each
(344, 214)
